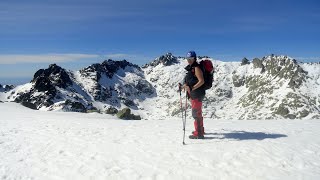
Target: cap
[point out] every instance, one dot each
(191, 54)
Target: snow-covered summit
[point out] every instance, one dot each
(108, 67)
(54, 75)
(166, 60)
(115, 83)
(268, 88)
(272, 87)
(51, 89)
(97, 87)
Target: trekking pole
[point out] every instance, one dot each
(183, 120)
(181, 104)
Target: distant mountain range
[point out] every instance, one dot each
(4, 88)
(272, 87)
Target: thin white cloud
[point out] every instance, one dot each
(65, 58)
(22, 66)
(44, 58)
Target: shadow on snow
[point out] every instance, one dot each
(243, 135)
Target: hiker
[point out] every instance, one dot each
(194, 85)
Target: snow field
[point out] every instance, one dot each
(58, 145)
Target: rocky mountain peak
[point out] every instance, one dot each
(109, 83)
(109, 67)
(45, 79)
(276, 81)
(270, 87)
(111, 64)
(282, 67)
(167, 60)
(6, 87)
(44, 89)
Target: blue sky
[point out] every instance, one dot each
(77, 33)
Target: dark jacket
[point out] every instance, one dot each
(191, 79)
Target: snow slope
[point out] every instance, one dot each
(273, 87)
(60, 145)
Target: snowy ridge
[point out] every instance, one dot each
(115, 83)
(273, 87)
(97, 87)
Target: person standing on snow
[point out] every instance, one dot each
(193, 84)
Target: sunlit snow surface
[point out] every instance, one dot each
(59, 145)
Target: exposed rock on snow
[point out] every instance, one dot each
(125, 113)
(263, 83)
(165, 60)
(46, 79)
(245, 61)
(112, 110)
(5, 88)
(272, 87)
(49, 87)
(117, 83)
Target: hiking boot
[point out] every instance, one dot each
(196, 137)
(194, 132)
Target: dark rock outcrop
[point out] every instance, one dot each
(245, 61)
(111, 110)
(6, 88)
(74, 106)
(115, 83)
(109, 86)
(166, 60)
(126, 114)
(44, 90)
(45, 79)
(108, 67)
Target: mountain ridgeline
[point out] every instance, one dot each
(277, 84)
(272, 87)
(97, 87)
(5, 88)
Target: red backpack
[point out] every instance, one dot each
(208, 70)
